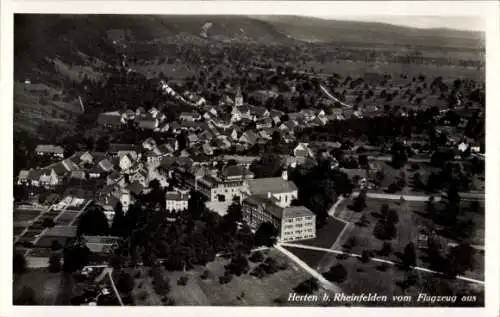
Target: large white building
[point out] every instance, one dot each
(280, 189)
(293, 223)
(176, 201)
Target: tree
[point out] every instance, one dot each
(256, 257)
(384, 230)
(337, 274)
(399, 155)
(386, 249)
(238, 265)
(125, 283)
(409, 256)
(269, 165)
(461, 258)
(266, 235)
(119, 224)
(19, 263)
(365, 256)
(26, 297)
(76, 256)
(392, 216)
(55, 262)
(93, 222)
(359, 202)
(307, 287)
(234, 212)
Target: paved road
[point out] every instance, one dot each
(333, 97)
(326, 284)
(397, 196)
(418, 268)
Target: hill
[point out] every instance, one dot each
(321, 30)
(62, 55)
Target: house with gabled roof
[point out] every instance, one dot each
(125, 162)
(147, 122)
(264, 123)
(111, 120)
(249, 137)
(189, 116)
(48, 177)
(49, 150)
(149, 144)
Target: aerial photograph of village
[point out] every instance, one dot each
(232, 160)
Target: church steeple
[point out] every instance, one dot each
(238, 99)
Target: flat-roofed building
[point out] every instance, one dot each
(293, 223)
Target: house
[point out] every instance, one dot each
(125, 162)
(176, 201)
(82, 158)
(239, 113)
(152, 159)
(249, 137)
(81, 175)
(140, 177)
(264, 123)
(23, 177)
(111, 120)
(238, 98)
(167, 148)
(175, 127)
(293, 223)
(462, 147)
(136, 188)
(49, 150)
(164, 127)
(207, 149)
(190, 116)
(48, 177)
(118, 150)
(115, 178)
(149, 144)
(259, 112)
(280, 189)
(276, 115)
(302, 152)
(147, 123)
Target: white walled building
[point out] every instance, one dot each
(176, 201)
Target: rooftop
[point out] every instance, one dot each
(262, 186)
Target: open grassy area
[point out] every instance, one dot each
(359, 68)
(325, 238)
(45, 285)
(198, 291)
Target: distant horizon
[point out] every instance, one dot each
(459, 23)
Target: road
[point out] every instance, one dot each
(343, 104)
(397, 196)
(421, 198)
(324, 282)
(418, 268)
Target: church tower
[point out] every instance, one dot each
(238, 99)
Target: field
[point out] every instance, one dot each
(34, 104)
(325, 238)
(359, 68)
(45, 285)
(257, 292)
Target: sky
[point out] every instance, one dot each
(456, 22)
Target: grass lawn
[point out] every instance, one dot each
(45, 284)
(325, 238)
(257, 292)
(367, 278)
